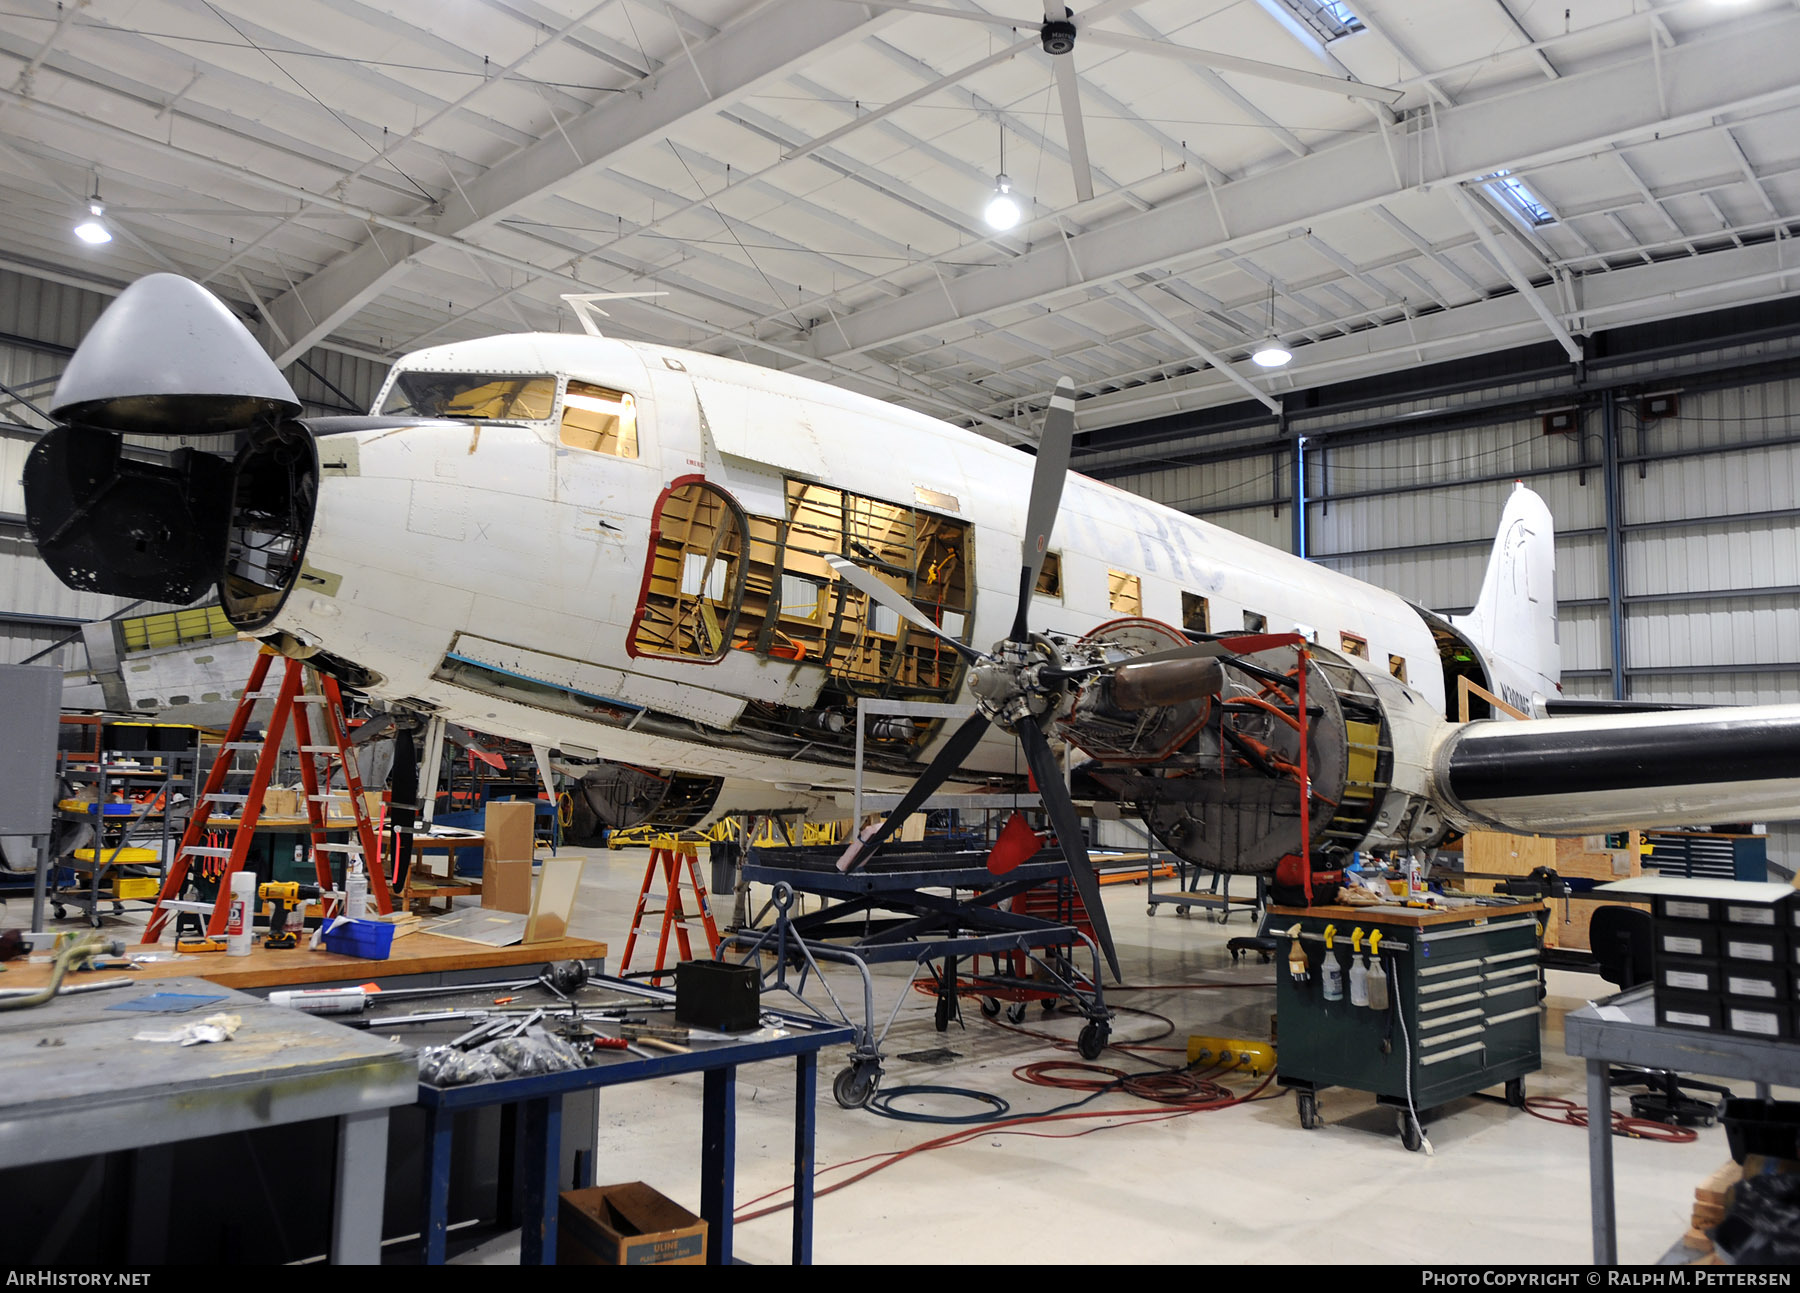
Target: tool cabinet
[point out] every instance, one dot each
(1465, 1005)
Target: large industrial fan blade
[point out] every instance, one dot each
(1057, 16)
(1248, 66)
(1068, 91)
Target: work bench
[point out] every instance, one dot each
(540, 1102)
(78, 1085)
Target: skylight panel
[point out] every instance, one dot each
(1329, 18)
(1521, 201)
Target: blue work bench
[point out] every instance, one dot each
(540, 1099)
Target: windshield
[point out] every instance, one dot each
(489, 397)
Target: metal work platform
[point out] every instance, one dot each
(914, 903)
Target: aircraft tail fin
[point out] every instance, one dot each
(1514, 622)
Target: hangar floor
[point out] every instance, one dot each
(1229, 1187)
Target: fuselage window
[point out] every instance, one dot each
(1196, 616)
(1397, 666)
(1124, 592)
(1254, 623)
(600, 420)
(696, 576)
(1049, 580)
(1354, 645)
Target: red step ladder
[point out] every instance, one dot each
(669, 857)
(329, 747)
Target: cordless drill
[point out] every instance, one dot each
(283, 898)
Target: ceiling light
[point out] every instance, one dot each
(1003, 208)
(1271, 354)
(93, 230)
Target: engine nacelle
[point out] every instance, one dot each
(1217, 778)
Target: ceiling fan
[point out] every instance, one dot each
(1021, 684)
(1058, 35)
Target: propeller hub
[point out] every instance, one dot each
(1058, 36)
(1010, 685)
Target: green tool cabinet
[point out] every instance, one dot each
(1464, 992)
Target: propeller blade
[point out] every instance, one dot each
(1068, 833)
(370, 730)
(1047, 479)
(881, 591)
(948, 760)
(1074, 128)
(1248, 66)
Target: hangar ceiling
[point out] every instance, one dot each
(1381, 183)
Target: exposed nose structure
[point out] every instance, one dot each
(113, 504)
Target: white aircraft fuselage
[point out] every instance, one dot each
(498, 542)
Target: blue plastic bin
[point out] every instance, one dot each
(369, 939)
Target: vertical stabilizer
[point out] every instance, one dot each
(1514, 620)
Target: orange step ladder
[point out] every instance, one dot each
(330, 747)
(669, 857)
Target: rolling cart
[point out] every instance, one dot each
(1465, 993)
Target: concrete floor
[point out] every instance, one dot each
(1236, 1186)
(1233, 1187)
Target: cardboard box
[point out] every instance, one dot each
(510, 827)
(506, 884)
(626, 1225)
(506, 855)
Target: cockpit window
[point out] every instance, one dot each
(484, 397)
(601, 420)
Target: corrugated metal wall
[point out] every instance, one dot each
(41, 322)
(1709, 522)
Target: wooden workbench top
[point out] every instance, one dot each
(419, 953)
(1411, 917)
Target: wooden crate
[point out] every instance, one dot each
(1586, 857)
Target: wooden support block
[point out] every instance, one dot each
(1696, 1241)
(1713, 1188)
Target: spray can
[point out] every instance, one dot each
(356, 892)
(238, 933)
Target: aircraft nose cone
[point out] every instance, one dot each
(168, 358)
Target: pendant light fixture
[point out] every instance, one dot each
(1003, 210)
(1271, 353)
(93, 230)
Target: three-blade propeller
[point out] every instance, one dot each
(1047, 479)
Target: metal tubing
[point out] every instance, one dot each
(1615, 547)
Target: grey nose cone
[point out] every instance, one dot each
(167, 358)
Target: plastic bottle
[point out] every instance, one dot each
(239, 915)
(1359, 981)
(1378, 986)
(1332, 974)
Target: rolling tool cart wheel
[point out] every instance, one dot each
(854, 1085)
(1515, 1093)
(1093, 1040)
(990, 1008)
(1015, 1013)
(1411, 1134)
(1308, 1104)
(1048, 1005)
(1150, 910)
